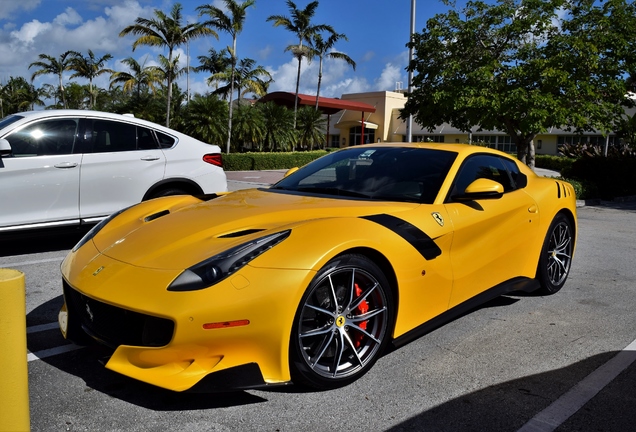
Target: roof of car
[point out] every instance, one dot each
(90, 113)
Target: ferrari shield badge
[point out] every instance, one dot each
(438, 218)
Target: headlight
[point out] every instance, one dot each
(97, 228)
(217, 268)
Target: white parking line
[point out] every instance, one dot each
(51, 352)
(42, 327)
(567, 405)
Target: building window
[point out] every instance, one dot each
(428, 138)
(355, 136)
(335, 141)
(598, 140)
(499, 142)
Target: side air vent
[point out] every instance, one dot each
(563, 190)
(156, 215)
(241, 233)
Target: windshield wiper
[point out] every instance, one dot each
(333, 191)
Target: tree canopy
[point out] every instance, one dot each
(524, 66)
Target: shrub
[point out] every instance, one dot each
(268, 161)
(555, 163)
(607, 177)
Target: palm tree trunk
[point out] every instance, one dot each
(319, 81)
(300, 59)
(169, 87)
(229, 120)
(62, 91)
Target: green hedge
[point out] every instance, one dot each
(604, 177)
(269, 161)
(555, 163)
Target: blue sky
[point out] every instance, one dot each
(377, 30)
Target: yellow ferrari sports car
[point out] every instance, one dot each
(309, 281)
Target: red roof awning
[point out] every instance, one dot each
(326, 105)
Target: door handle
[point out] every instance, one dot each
(65, 165)
(533, 209)
(150, 158)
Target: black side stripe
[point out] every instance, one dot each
(416, 237)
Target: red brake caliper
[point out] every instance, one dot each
(362, 308)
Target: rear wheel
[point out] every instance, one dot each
(342, 324)
(556, 255)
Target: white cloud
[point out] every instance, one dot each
(29, 31)
(9, 7)
(390, 75)
(70, 16)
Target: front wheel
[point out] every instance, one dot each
(556, 255)
(342, 324)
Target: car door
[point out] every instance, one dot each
(39, 180)
(490, 235)
(122, 162)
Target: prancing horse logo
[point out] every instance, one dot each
(438, 218)
(340, 321)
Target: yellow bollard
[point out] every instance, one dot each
(14, 374)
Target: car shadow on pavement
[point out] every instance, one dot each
(509, 405)
(39, 241)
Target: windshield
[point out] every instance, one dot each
(8, 120)
(379, 173)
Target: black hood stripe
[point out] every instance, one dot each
(416, 237)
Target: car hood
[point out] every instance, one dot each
(167, 234)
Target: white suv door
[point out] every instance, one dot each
(39, 181)
(122, 161)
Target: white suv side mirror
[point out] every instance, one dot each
(5, 147)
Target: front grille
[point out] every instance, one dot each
(115, 326)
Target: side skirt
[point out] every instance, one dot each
(516, 284)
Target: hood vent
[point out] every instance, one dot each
(241, 233)
(156, 215)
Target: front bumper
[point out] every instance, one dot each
(161, 338)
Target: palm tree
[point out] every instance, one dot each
(249, 125)
(321, 49)
(166, 31)
(233, 25)
(50, 65)
(247, 79)
(311, 127)
(300, 24)
(214, 63)
(89, 67)
(139, 76)
(19, 95)
(204, 119)
(279, 126)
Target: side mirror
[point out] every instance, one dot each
(481, 189)
(290, 171)
(5, 148)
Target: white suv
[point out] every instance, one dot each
(68, 167)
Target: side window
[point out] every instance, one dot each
(145, 140)
(110, 136)
(483, 166)
(165, 141)
(47, 137)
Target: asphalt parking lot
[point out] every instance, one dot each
(563, 362)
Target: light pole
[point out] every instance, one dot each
(409, 125)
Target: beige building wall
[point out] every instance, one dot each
(388, 127)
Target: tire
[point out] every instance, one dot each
(556, 255)
(168, 192)
(342, 325)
